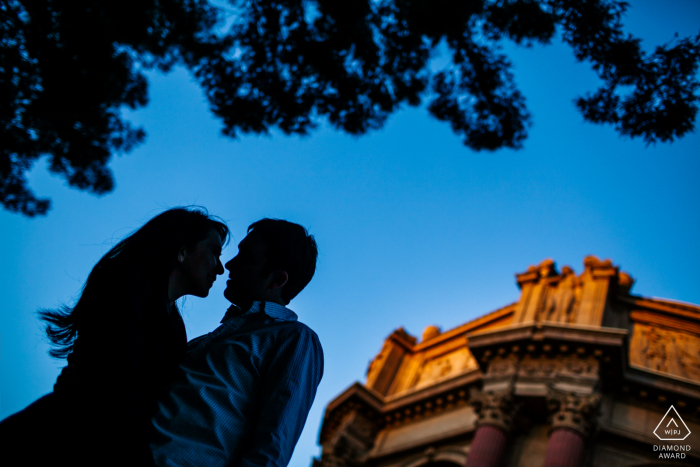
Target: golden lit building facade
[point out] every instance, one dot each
(578, 372)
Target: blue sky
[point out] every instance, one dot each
(413, 228)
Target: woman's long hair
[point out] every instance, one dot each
(151, 252)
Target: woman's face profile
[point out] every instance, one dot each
(201, 264)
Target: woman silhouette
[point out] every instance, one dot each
(124, 340)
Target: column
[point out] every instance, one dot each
(495, 411)
(573, 418)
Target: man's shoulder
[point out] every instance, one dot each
(279, 317)
(289, 328)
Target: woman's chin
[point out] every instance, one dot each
(200, 293)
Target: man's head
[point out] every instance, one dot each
(275, 261)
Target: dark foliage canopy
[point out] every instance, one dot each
(68, 66)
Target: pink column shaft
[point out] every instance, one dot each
(565, 449)
(487, 448)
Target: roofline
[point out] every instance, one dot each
(467, 327)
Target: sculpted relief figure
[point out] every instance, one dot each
(451, 364)
(684, 354)
(655, 350)
(560, 304)
(689, 358)
(665, 350)
(443, 367)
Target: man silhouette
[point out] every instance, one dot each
(245, 389)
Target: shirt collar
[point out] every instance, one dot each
(271, 309)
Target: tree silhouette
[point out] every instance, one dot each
(68, 66)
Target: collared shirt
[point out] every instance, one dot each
(243, 393)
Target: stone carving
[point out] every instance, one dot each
(350, 444)
(445, 366)
(547, 268)
(673, 352)
(495, 408)
(539, 367)
(572, 411)
(562, 371)
(502, 366)
(592, 261)
(567, 298)
(561, 300)
(579, 367)
(625, 282)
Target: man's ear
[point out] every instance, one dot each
(181, 253)
(279, 280)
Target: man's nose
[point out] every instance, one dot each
(229, 265)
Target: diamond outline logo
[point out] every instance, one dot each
(672, 419)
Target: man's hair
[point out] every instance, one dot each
(290, 248)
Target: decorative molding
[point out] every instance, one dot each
(407, 411)
(351, 442)
(682, 310)
(562, 367)
(485, 344)
(541, 367)
(502, 316)
(356, 399)
(454, 385)
(500, 367)
(655, 319)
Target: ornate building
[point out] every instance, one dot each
(577, 372)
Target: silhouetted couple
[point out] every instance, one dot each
(135, 392)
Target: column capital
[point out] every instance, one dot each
(576, 412)
(496, 408)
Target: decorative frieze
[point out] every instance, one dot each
(445, 366)
(667, 351)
